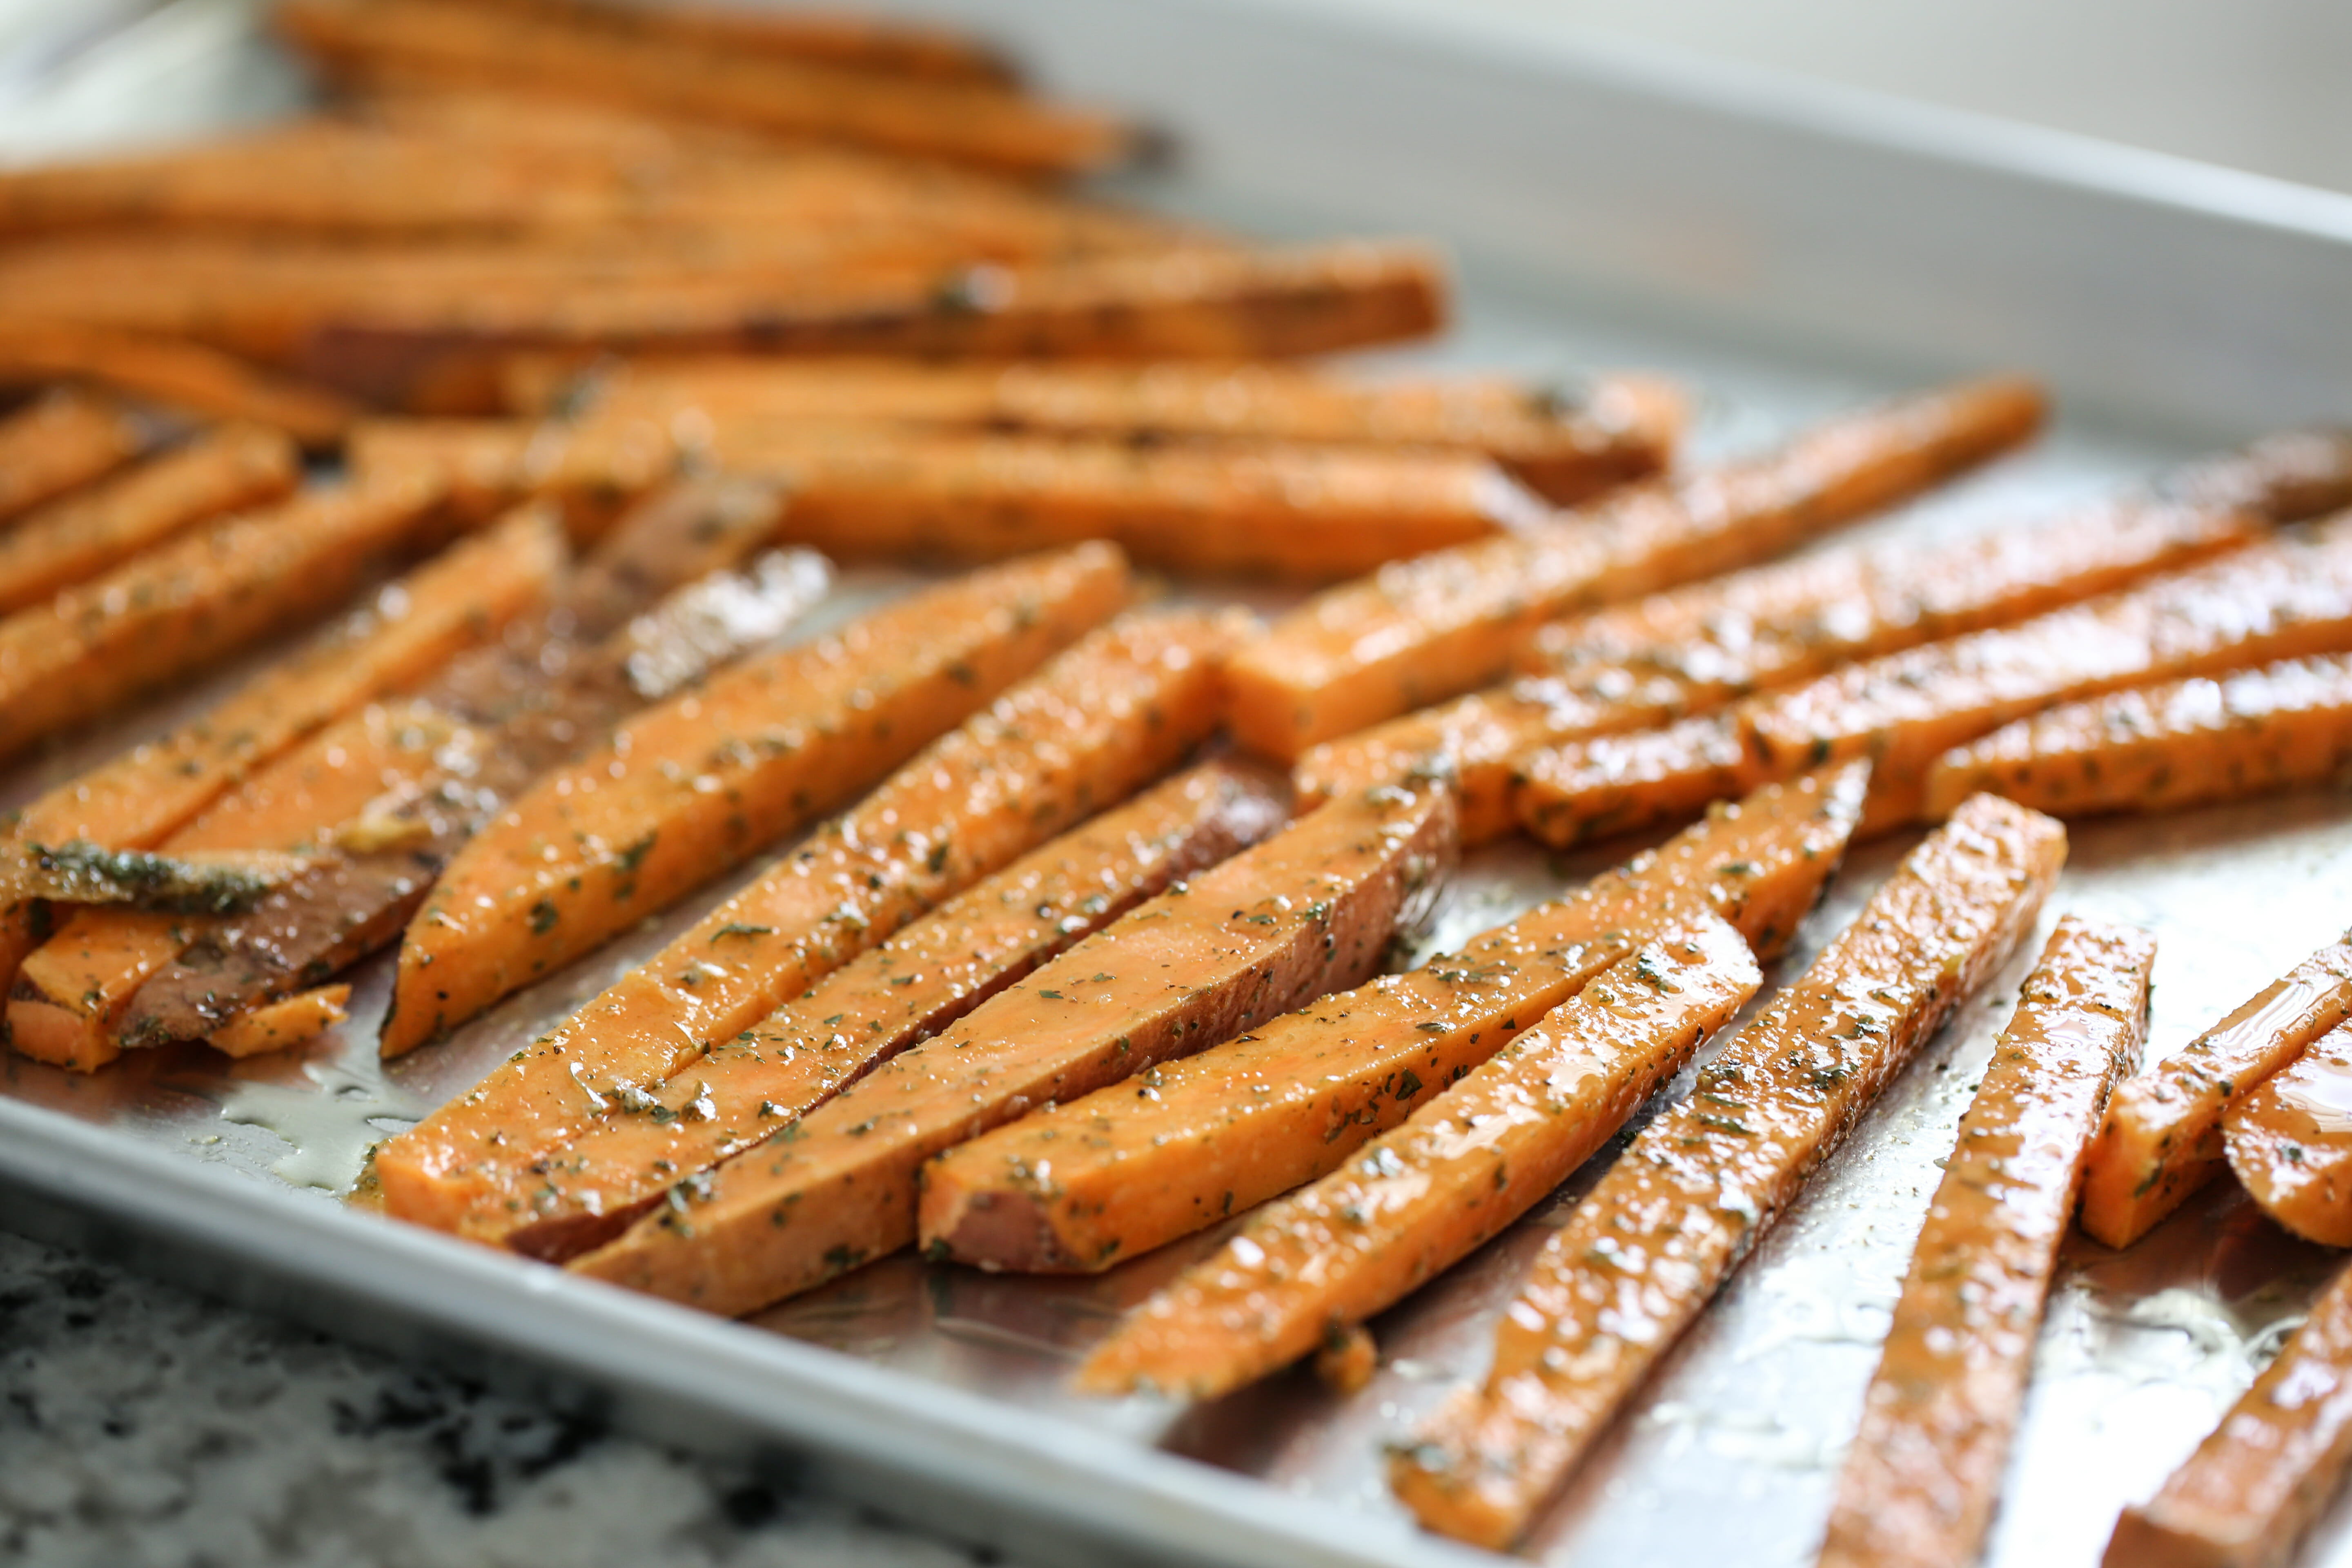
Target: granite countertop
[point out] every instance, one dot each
(143, 1426)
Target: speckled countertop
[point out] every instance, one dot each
(142, 1427)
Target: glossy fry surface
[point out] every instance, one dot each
(2290, 1141)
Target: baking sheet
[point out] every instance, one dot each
(1731, 1450)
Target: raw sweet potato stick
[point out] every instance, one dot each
(2287, 1144)
(58, 443)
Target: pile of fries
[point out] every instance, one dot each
(620, 327)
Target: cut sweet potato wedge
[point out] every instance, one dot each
(2256, 1485)
(2162, 1137)
(1414, 1202)
(168, 612)
(1115, 712)
(284, 1025)
(2286, 598)
(77, 538)
(2165, 748)
(488, 466)
(59, 443)
(1292, 512)
(1290, 1101)
(666, 71)
(1654, 1240)
(1311, 908)
(2288, 1142)
(1923, 1474)
(704, 781)
(1445, 625)
(1565, 448)
(176, 374)
(834, 38)
(890, 997)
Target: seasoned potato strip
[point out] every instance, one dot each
(2162, 1137)
(2283, 599)
(284, 1025)
(2288, 1144)
(669, 73)
(2253, 1488)
(1414, 1202)
(1417, 634)
(488, 466)
(1129, 1171)
(908, 989)
(169, 611)
(72, 540)
(699, 783)
(1311, 908)
(182, 376)
(1113, 713)
(836, 38)
(1650, 1244)
(61, 441)
(1923, 1474)
(2165, 748)
(1565, 448)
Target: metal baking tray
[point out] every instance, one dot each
(1786, 250)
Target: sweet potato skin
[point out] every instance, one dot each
(890, 997)
(1131, 1173)
(632, 831)
(1651, 1244)
(1114, 712)
(1416, 1200)
(1922, 1477)
(1310, 909)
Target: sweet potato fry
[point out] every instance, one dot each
(1310, 909)
(80, 536)
(181, 375)
(2162, 1137)
(2253, 1490)
(1130, 1173)
(2165, 748)
(1923, 1474)
(282, 1025)
(2287, 1144)
(488, 466)
(1642, 1256)
(1417, 1199)
(1565, 448)
(1191, 302)
(2287, 598)
(670, 73)
(60, 442)
(908, 989)
(847, 39)
(699, 783)
(1117, 710)
(1415, 635)
(169, 611)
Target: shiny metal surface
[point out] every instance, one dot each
(939, 1391)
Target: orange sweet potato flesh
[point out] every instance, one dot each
(2286, 598)
(58, 443)
(1308, 910)
(1447, 624)
(2255, 1486)
(699, 783)
(908, 989)
(1416, 1200)
(2162, 1138)
(1115, 712)
(1923, 1474)
(138, 799)
(74, 538)
(283, 1024)
(1653, 1242)
(2165, 748)
(488, 466)
(1131, 1173)
(167, 613)
(979, 124)
(177, 374)
(71, 992)
(1619, 429)
(2288, 1143)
